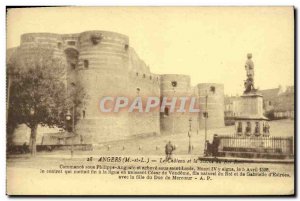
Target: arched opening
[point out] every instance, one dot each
(72, 58)
(86, 63)
(126, 46)
(166, 111)
(59, 45)
(213, 89)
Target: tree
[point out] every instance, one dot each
(38, 92)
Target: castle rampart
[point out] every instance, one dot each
(105, 65)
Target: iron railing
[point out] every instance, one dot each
(224, 145)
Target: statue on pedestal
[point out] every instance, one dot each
(249, 83)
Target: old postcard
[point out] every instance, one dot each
(150, 101)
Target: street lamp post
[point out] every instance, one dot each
(73, 129)
(189, 135)
(205, 124)
(70, 116)
(73, 120)
(32, 147)
(174, 113)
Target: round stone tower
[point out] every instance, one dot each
(102, 71)
(213, 94)
(173, 85)
(32, 43)
(42, 45)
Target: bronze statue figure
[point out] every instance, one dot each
(249, 83)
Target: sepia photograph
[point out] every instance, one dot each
(167, 101)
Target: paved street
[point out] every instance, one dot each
(154, 145)
(26, 169)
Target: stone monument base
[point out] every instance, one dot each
(251, 121)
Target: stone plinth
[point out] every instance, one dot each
(251, 105)
(250, 120)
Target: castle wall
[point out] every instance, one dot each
(215, 104)
(104, 64)
(144, 84)
(10, 54)
(174, 122)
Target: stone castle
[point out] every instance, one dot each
(105, 64)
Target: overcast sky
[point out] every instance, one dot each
(209, 44)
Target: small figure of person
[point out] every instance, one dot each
(266, 129)
(24, 148)
(240, 128)
(248, 129)
(257, 129)
(215, 145)
(169, 148)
